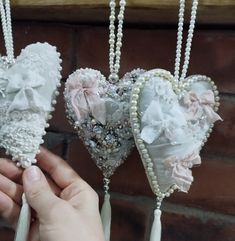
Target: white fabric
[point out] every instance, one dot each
(156, 230)
(172, 132)
(23, 225)
(27, 90)
(106, 216)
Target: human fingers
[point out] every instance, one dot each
(34, 231)
(80, 197)
(9, 210)
(54, 187)
(10, 170)
(38, 192)
(58, 169)
(11, 189)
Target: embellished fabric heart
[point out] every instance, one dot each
(171, 122)
(27, 94)
(99, 111)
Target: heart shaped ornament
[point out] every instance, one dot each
(28, 89)
(171, 122)
(99, 111)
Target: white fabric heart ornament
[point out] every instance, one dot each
(171, 122)
(28, 92)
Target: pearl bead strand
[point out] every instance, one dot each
(5, 11)
(149, 167)
(115, 41)
(180, 40)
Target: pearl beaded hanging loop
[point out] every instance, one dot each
(115, 41)
(180, 40)
(5, 11)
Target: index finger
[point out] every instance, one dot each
(57, 168)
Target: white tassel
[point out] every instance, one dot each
(156, 227)
(23, 225)
(106, 216)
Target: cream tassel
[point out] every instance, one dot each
(106, 211)
(23, 225)
(106, 216)
(156, 227)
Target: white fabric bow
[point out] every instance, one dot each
(160, 122)
(25, 84)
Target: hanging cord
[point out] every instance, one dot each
(180, 40)
(115, 40)
(5, 11)
(106, 212)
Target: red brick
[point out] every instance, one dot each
(222, 139)
(81, 161)
(178, 227)
(212, 54)
(130, 220)
(59, 121)
(213, 187)
(58, 35)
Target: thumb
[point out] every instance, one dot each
(38, 192)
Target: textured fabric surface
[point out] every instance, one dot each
(28, 88)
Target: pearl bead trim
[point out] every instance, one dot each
(185, 85)
(135, 120)
(20, 160)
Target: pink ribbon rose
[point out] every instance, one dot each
(201, 104)
(85, 98)
(179, 170)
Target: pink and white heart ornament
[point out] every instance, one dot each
(99, 110)
(171, 119)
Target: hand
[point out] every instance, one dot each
(66, 206)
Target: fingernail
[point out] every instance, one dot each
(33, 173)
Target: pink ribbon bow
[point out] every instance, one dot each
(200, 104)
(85, 99)
(179, 170)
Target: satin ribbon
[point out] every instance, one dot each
(159, 122)
(85, 98)
(25, 85)
(200, 104)
(179, 170)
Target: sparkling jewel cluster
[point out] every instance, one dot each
(109, 144)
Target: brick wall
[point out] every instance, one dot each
(207, 213)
